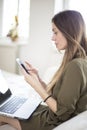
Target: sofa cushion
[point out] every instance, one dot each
(76, 123)
(6, 127)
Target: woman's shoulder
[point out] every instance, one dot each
(77, 63)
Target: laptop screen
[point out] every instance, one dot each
(5, 96)
(4, 90)
(3, 84)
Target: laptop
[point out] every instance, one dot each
(16, 106)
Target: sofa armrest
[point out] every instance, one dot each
(78, 122)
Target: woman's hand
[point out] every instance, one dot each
(30, 68)
(33, 77)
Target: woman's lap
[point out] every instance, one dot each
(36, 122)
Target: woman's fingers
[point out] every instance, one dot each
(30, 68)
(28, 64)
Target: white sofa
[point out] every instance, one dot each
(6, 127)
(76, 123)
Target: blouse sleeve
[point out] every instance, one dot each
(69, 92)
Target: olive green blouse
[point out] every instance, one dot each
(70, 93)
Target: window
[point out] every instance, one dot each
(79, 5)
(58, 6)
(14, 8)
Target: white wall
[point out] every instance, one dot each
(1, 15)
(40, 51)
(58, 5)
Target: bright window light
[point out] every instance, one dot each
(81, 6)
(13, 8)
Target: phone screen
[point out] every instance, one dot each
(22, 65)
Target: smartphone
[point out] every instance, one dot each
(21, 64)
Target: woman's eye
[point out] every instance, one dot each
(55, 33)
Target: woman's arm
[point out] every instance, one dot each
(11, 121)
(34, 80)
(30, 68)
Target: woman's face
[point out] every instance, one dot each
(59, 40)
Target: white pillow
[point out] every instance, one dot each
(78, 122)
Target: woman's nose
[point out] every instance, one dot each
(53, 38)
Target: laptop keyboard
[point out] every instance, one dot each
(12, 105)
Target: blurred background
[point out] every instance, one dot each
(25, 32)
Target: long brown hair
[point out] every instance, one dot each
(72, 26)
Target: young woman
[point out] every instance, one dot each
(66, 94)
